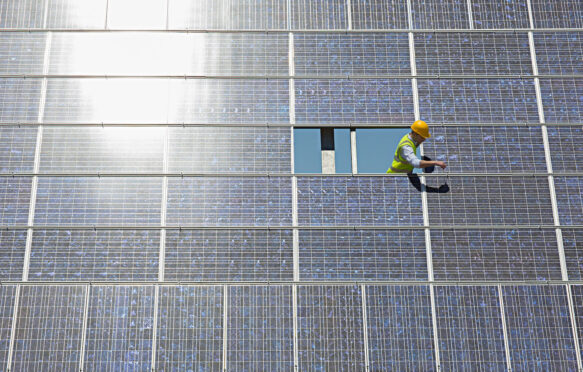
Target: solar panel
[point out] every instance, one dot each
(488, 53)
(481, 200)
(569, 192)
(440, 14)
(577, 292)
(559, 53)
(539, 328)
(469, 328)
(353, 100)
(477, 101)
(22, 14)
(561, 100)
(362, 255)
(48, 328)
(89, 14)
(379, 14)
(330, 328)
(17, 149)
(190, 328)
(227, 14)
(19, 100)
(22, 53)
(484, 149)
(400, 331)
(229, 149)
(229, 255)
(121, 14)
(572, 241)
(64, 201)
(319, 14)
(110, 255)
(15, 200)
(119, 328)
(557, 14)
(260, 328)
(488, 254)
(500, 14)
(7, 296)
(366, 201)
(355, 53)
(230, 201)
(12, 247)
(566, 144)
(112, 149)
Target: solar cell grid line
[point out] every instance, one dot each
(119, 328)
(330, 328)
(539, 328)
(19, 99)
(15, 199)
(470, 328)
(353, 100)
(319, 14)
(487, 149)
(400, 331)
(561, 100)
(364, 201)
(231, 255)
(559, 53)
(569, 200)
(572, 241)
(48, 328)
(379, 14)
(362, 255)
(495, 254)
(477, 100)
(500, 14)
(8, 295)
(351, 54)
(22, 14)
(17, 146)
(259, 327)
(487, 53)
(75, 14)
(440, 14)
(12, 248)
(557, 14)
(21, 53)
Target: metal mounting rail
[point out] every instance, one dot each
(286, 30)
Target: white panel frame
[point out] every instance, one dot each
(504, 329)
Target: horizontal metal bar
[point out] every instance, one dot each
(309, 31)
(287, 77)
(268, 175)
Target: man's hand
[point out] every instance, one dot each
(440, 164)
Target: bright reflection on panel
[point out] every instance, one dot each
(135, 14)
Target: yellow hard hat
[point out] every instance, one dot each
(421, 128)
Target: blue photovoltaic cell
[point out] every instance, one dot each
(353, 54)
(483, 200)
(569, 192)
(22, 53)
(379, 14)
(577, 293)
(354, 101)
(354, 201)
(19, 100)
(319, 14)
(110, 255)
(86, 14)
(7, 295)
(469, 328)
(229, 149)
(229, 201)
(572, 243)
(119, 328)
(539, 328)
(190, 329)
(22, 14)
(260, 328)
(500, 14)
(152, 14)
(400, 331)
(48, 328)
(440, 14)
(229, 255)
(14, 200)
(362, 255)
(557, 14)
(488, 53)
(98, 201)
(559, 53)
(17, 146)
(562, 100)
(483, 149)
(520, 254)
(566, 145)
(227, 14)
(330, 328)
(12, 247)
(477, 101)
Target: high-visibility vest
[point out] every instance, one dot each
(400, 165)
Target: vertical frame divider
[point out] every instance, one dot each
(155, 326)
(504, 329)
(365, 327)
(225, 318)
(349, 14)
(470, 14)
(84, 330)
(13, 328)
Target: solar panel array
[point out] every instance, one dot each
(151, 219)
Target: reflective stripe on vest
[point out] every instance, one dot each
(400, 165)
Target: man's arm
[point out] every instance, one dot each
(408, 154)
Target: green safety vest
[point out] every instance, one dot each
(400, 165)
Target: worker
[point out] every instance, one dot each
(405, 158)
